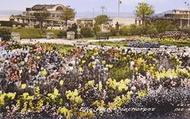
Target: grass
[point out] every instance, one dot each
(27, 33)
(177, 43)
(169, 41)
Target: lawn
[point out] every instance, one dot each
(169, 41)
(26, 33)
(29, 32)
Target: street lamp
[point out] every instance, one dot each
(118, 11)
(103, 8)
(188, 5)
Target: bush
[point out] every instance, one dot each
(87, 32)
(96, 29)
(113, 32)
(138, 30)
(163, 25)
(58, 33)
(101, 19)
(61, 34)
(151, 29)
(131, 30)
(5, 33)
(11, 23)
(124, 31)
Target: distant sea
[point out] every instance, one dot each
(5, 14)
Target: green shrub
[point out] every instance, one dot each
(124, 31)
(164, 25)
(131, 30)
(96, 29)
(5, 33)
(113, 32)
(87, 32)
(58, 33)
(11, 23)
(61, 34)
(138, 30)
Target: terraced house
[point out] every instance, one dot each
(54, 19)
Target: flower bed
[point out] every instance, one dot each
(42, 83)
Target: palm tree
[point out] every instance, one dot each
(144, 10)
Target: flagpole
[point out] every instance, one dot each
(118, 12)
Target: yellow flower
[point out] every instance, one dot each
(66, 112)
(103, 62)
(38, 57)
(109, 66)
(61, 82)
(74, 96)
(80, 69)
(100, 85)
(11, 95)
(142, 93)
(23, 86)
(83, 61)
(56, 92)
(90, 83)
(2, 101)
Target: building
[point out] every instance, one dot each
(122, 21)
(89, 22)
(180, 17)
(112, 21)
(4, 18)
(53, 20)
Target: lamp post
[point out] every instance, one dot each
(93, 12)
(103, 8)
(118, 9)
(188, 6)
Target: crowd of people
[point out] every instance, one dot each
(39, 80)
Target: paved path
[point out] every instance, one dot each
(65, 41)
(81, 42)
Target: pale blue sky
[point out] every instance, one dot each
(88, 5)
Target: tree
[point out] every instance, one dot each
(68, 14)
(41, 16)
(101, 19)
(144, 10)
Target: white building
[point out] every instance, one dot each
(54, 19)
(122, 21)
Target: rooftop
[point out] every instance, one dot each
(44, 6)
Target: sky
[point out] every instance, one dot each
(127, 6)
